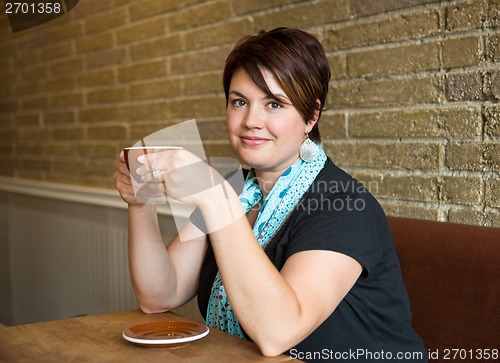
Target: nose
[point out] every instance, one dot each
(254, 118)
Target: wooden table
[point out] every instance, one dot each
(98, 338)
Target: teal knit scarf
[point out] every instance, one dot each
(285, 194)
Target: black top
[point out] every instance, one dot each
(373, 321)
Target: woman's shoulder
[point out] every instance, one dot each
(338, 199)
(333, 181)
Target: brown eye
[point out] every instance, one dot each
(275, 105)
(238, 103)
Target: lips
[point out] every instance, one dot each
(253, 140)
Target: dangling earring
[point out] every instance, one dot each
(308, 150)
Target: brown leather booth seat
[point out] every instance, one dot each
(452, 273)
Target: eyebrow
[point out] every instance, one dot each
(236, 93)
(277, 97)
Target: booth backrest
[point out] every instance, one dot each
(452, 273)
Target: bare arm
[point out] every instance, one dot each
(277, 309)
(163, 278)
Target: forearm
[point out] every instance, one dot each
(152, 273)
(263, 301)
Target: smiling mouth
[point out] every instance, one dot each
(253, 141)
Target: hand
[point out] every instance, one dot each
(125, 186)
(179, 174)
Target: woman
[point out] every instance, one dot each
(302, 261)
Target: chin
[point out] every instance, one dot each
(255, 164)
(251, 157)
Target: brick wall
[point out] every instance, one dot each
(414, 109)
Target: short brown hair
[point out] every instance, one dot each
(295, 58)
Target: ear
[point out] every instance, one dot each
(310, 123)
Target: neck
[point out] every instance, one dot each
(266, 181)
(268, 178)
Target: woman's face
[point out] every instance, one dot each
(265, 132)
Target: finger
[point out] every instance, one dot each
(155, 176)
(121, 167)
(164, 160)
(122, 175)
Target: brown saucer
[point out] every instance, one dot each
(166, 334)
